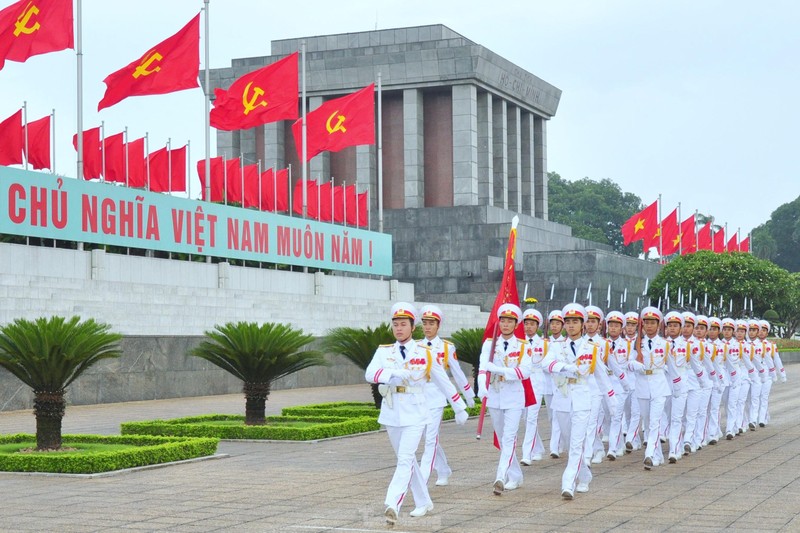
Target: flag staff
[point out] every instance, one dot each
(660, 233)
(53, 141)
(380, 155)
(680, 231)
(304, 176)
(207, 103)
(79, 58)
(127, 169)
(103, 150)
(25, 121)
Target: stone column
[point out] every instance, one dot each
(247, 146)
(465, 145)
(485, 150)
(500, 152)
(514, 158)
(228, 144)
(413, 148)
(528, 195)
(319, 167)
(274, 148)
(540, 167)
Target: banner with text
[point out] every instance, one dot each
(53, 207)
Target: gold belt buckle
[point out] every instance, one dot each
(400, 389)
(572, 381)
(648, 372)
(610, 373)
(501, 378)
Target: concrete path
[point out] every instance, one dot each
(749, 484)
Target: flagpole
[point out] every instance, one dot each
(696, 248)
(259, 185)
(304, 177)
(127, 164)
(241, 165)
(333, 203)
(147, 159)
(25, 121)
(289, 187)
(274, 191)
(79, 64)
(169, 165)
(725, 246)
(224, 179)
(738, 240)
(189, 168)
(103, 150)
(208, 112)
(380, 155)
(53, 141)
(660, 233)
(680, 232)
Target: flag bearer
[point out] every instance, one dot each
(403, 369)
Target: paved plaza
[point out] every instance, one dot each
(749, 484)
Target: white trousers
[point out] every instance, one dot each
(532, 445)
(713, 427)
(699, 437)
(433, 456)
(634, 419)
(744, 390)
(405, 441)
(555, 428)
(506, 425)
(763, 409)
(651, 410)
(593, 426)
(694, 402)
(676, 424)
(755, 400)
(577, 467)
(615, 430)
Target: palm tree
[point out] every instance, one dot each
(48, 354)
(258, 355)
(469, 342)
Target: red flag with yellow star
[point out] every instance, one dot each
(33, 27)
(172, 65)
(338, 123)
(265, 95)
(641, 224)
(671, 234)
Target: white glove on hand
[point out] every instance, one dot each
(461, 417)
(570, 368)
(482, 390)
(469, 399)
(491, 367)
(401, 374)
(636, 366)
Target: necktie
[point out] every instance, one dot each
(613, 346)
(572, 345)
(429, 343)
(505, 345)
(403, 351)
(650, 344)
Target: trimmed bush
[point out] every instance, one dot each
(276, 427)
(148, 451)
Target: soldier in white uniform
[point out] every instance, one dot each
(718, 395)
(633, 440)
(403, 369)
(619, 352)
(734, 368)
(745, 355)
(696, 382)
(697, 403)
(652, 387)
(759, 377)
(677, 364)
(532, 447)
(433, 456)
(776, 371)
(573, 365)
(505, 396)
(556, 323)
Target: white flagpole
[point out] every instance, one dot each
(207, 103)
(274, 191)
(680, 233)
(79, 63)
(357, 219)
(660, 233)
(725, 246)
(147, 158)
(224, 179)
(259, 185)
(25, 122)
(189, 168)
(333, 196)
(127, 164)
(241, 165)
(53, 141)
(369, 209)
(305, 129)
(344, 194)
(169, 165)
(380, 155)
(289, 186)
(319, 211)
(103, 150)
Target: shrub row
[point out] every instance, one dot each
(355, 409)
(149, 450)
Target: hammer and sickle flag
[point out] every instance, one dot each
(265, 95)
(171, 65)
(338, 123)
(33, 27)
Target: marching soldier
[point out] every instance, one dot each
(759, 376)
(745, 356)
(402, 369)
(556, 323)
(697, 404)
(677, 365)
(718, 393)
(433, 455)
(632, 438)
(776, 371)
(696, 383)
(505, 396)
(532, 447)
(601, 410)
(619, 351)
(734, 369)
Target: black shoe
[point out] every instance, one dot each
(687, 449)
(712, 442)
(648, 463)
(762, 424)
(729, 436)
(628, 447)
(752, 426)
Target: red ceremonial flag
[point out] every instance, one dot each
(172, 65)
(718, 241)
(114, 153)
(338, 204)
(326, 202)
(29, 28)
(311, 198)
(744, 244)
(282, 189)
(363, 210)
(38, 153)
(92, 162)
(233, 181)
(351, 204)
(671, 236)
(267, 202)
(251, 184)
(266, 95)
(733, 246)
(137, 170)
(217, 178)
(164, 178)
(704, 237)
(641, 224)
(338, 123)
(688, 237)
(11, 140)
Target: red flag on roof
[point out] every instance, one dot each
(137, 170)
(92, 161)
(168, 170)
(38, 154)
(744, 245)
(704, 237)
(114, 158)
(733, 245)
(641, 224)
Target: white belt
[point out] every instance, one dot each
(651, 371)
(407, 390)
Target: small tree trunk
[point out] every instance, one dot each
(255, 409)
(376, 396)
(48, 407)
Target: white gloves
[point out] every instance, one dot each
(482, 390)
(570, 368)
(401, 374)
(469, 399)
(461, 417)
(495, 369)
(636, 366)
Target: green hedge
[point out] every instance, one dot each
(149, 451)
(277, 427)
(355, 409)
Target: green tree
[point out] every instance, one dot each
(358, 345)
(48, 354)
(778, 239)
(469, 342)
(731, 276)
(595, 210)
(258, 355)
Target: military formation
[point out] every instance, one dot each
(661, 385)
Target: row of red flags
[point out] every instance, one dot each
(670, 237)
(13, 144)
(232, 182)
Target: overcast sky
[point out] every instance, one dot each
(696, 100)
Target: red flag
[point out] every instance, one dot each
(732, 244)
(704, 237)
(165, 178)
(251, 185)
(92, 162)
(267, 201)
(338, 204)
(266, 95)
(233, 181)
(137, 170)
(641, 224)
(326, 202)
(38, 153)
(351, 204)
(688, 237)
(282, 190)
(718, 241)
(363, 210)
(670, 234)
(744, 244)
(11, 140)
(216, 178)
(172, 65)
(114, 153)
(29, 28)
(311, 198)
(338, 123)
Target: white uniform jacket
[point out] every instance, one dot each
(651, 378)
(618, 352)
(408, 406)
(506, 392)
(678, 365)
(757, 358)
(539, 348)
(720, 356)
(445, 353)
(698, 375)
(575, 391)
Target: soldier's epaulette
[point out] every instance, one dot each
(386, 345)
(448, 342)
